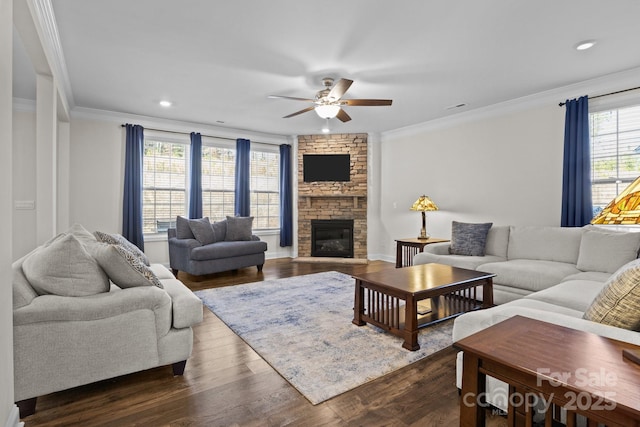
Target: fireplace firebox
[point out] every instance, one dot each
(332, 238)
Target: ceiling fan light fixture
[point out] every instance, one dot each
(327, 111)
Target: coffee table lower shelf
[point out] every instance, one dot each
(391, 300)
(441, 308)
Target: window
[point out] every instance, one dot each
(163, 184)
(218, 182)
(265, 188)
(615, 152)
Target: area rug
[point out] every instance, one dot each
(302, 327)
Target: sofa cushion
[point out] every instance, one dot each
(238, 228)
(220, 230)
(575, 294)
(618, 304)
(533, 275)
(183, 230)
(607, 251)
(220, 250)
(65, 268)
(468, 239)
(559, 244)
(202, 230)
(118, 239)
(122, 266)
(498, 241)
(460, 261)
(82, 234)
(472, 322)
(594, 276)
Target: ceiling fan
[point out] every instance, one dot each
(328, 102)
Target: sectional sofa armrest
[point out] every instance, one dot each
(255, 238)
(53, 308)
(438, 248)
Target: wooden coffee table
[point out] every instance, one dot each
(581, 372)
(451, 291)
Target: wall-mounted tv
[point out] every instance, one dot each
(326, 167)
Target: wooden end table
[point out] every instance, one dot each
(583, 373)
(451, 291)
(407, 248)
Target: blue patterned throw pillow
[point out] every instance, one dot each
(469, 239)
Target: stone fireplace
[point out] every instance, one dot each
(330, 200)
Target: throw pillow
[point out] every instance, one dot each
(202, 230)
(469, 239)
(82, 234)
(118, 239)
(65, 268)
(618, 303)
(183, 231)
(220, 230)
(239, 228)
(123, 267)
(606, 251)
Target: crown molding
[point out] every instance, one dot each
(177, 125)
(609, 83)
(47, 28)
(23, 105)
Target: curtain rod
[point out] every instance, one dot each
(208, 136)
(605, 94)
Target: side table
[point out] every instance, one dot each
(407, 248)
(579, 371)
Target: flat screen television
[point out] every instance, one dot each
(326, 167)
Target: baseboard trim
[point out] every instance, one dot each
(14, 418)
(331, 260)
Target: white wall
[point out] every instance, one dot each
(505, 169)
(8, 411)
(24, 182)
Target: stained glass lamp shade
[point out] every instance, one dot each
(423, 204)
(623, 209)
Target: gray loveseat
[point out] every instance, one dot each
(86, 310)
(200, 247)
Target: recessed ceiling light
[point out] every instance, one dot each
(165, 103)
(585, 45)
(453, 107)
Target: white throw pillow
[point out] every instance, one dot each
(607, 251)
(65, 268)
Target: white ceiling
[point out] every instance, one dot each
(217, 61)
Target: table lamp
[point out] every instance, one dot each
(423, 204)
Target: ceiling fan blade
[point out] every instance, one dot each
(343, 116)
(299, 112)
(290, 97)
(366, 102)
(339, 89)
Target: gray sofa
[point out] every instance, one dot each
(72, 325)
(199, 247)
(551, 274)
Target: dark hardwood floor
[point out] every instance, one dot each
(227, 384)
